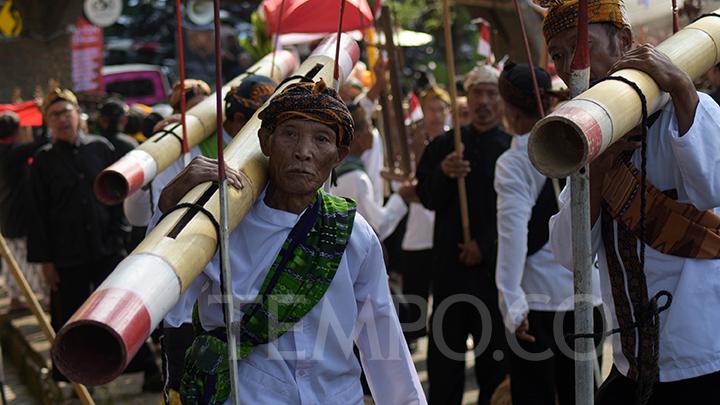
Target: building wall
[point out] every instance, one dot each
(42, 52)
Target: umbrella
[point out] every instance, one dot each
(315, 16)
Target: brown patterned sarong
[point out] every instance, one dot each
(673, 228)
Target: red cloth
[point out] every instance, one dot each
(28, 111)
(316, 16)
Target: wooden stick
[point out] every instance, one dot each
(462, 191)
(404, 165)
(37, 310)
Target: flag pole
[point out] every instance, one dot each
(181, 71)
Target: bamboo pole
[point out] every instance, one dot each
(99, 340)
(37, 310)
(462, 191)
(581, 129)
(142, 164)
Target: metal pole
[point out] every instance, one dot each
(581, 244)
(224, 228)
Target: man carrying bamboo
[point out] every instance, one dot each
(308, 279)
(677, 351)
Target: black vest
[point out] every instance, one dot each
(545, 207)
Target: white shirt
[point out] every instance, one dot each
(374, 160)
(419, 229)
(140, 206)
(313, 363)
(383, 219)
(524, 283)
(689, 329)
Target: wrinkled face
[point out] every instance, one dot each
(435, 113)
(605, 50)
(484, 104)
(302, 154)
(63, 119)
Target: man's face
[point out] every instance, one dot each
(63, 119)
(434, 114)
(302, 153)
(484, 104)
(605, 50)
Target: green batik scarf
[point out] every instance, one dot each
(296, 282)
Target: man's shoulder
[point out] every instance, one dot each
(362, 236)
(126, 139)
(96, 141)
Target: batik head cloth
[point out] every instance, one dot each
(562, 14)
(310, 101)
(250, 95)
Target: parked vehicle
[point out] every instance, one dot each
(137, 83)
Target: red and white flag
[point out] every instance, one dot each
(484, 48)
(414, 113)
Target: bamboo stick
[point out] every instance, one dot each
(581, 129)
(462, 191)
(141, 165)
(99, 340)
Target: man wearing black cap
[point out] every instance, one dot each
(112, 120)
(534, 289)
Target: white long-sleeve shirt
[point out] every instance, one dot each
(689, 329)
(374, 160)
(383, 218)
(524, 283)
(313, 363)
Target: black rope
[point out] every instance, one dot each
(197, 208)
(652, 309)
(706, 15)
(166, 132)
(647, 318)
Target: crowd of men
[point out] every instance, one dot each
(506, 293)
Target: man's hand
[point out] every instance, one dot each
(51, 275)
(668, 77)
(454, 166)
(470, 254)
(380, 70)
(167, 121)
(522, 331)
(408, 193)
(200, 170)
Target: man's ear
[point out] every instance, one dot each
(626, 39)
(342, 154)
(264, 136)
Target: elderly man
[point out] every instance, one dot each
(464, 290)
(78, 240)
(679, 352)
(304, 259)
